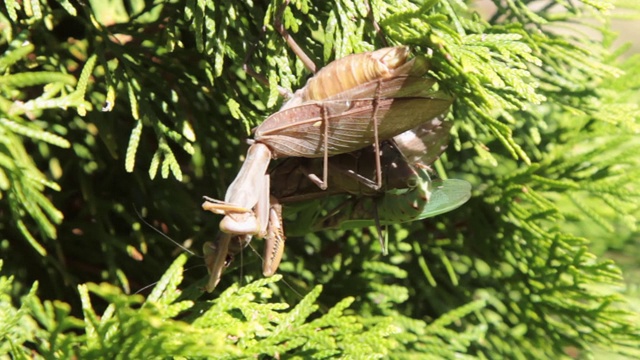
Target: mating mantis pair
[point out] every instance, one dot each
(408, 194)
(380, 95)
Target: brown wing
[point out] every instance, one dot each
(425, 143)
(299, 131)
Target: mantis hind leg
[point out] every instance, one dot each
(246, 67)
(277, 23)
(376, 139)
(325, 165)
(382, 238)
(324, 183)
(375, 24)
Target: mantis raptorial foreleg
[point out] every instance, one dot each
(220, 253)
(247, 200)
(274, 240)
(248, 212)
(254, 222)
(216, 258)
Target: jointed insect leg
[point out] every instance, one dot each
(324, 183)
(216, 259)
(381, 238)
(221, 207)
(325, 165)
(308, 63)
(375, 24)
(274, 240)
(376, 143)
(261, 78)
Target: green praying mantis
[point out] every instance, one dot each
(428, 198)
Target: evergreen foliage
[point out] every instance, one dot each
(98, 98)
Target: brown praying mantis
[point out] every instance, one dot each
(352, 103)
(381, 95)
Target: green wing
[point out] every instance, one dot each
(446, 195)
(431, 198)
